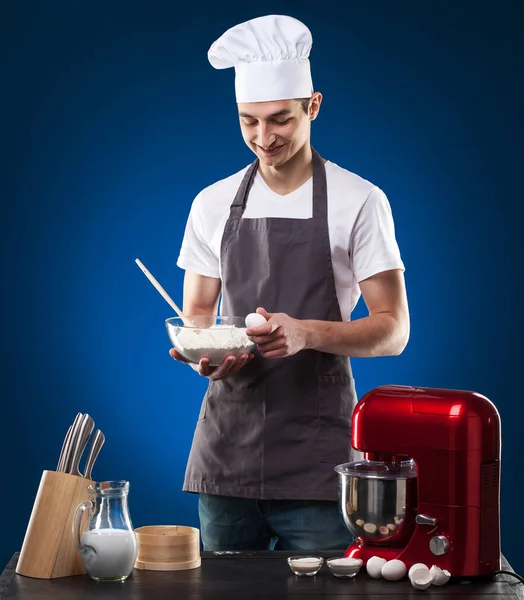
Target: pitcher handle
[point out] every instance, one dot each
(77, 523)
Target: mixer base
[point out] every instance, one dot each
(365, 552)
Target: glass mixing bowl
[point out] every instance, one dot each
(378, 500)
(211, 336)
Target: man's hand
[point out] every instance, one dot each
(281, 336)
(201, 295)
(385, 332)
(229, 367)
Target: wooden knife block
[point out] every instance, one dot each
(48, 550)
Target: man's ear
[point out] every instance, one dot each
(314, 105)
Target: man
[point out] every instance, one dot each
(298, 238)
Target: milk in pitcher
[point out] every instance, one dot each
(108, 546)
(109, 553)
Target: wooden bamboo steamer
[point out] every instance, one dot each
(48, 550)
(167, 548)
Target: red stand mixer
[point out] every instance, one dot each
(428, 487)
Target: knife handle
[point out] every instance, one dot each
(96, 446)
(62, 451)
(69, 446)
(86, 427)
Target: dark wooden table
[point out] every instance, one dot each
(246, 576)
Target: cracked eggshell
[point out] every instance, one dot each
(394, 570)
(440, 577)
(417, 566)
(421, 578)
(374, 566)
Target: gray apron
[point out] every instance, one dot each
(277, 428)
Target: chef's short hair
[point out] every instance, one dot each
(304, 102)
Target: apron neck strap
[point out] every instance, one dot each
(239, 203)
(319, 188)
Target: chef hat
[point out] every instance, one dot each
(270, 56)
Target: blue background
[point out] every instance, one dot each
(113, 120)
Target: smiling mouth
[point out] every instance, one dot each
(271, 151)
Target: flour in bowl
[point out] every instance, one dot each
(215, 342)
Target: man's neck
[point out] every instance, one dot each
(291, 175)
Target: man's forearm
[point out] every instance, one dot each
(377, 335)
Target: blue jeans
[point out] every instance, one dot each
(228, 523)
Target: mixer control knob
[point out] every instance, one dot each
(439, 544)
(425, 520)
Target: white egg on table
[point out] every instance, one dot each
(393, 570)
(255, 320)
(374, 566)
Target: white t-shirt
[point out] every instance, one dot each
(361, 228)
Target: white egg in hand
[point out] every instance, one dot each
(393, 570)
(374, 566)
(255, 320)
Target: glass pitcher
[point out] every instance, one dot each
(108, 546)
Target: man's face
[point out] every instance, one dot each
(274, 131)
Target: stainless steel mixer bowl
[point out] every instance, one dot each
(378, 500)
